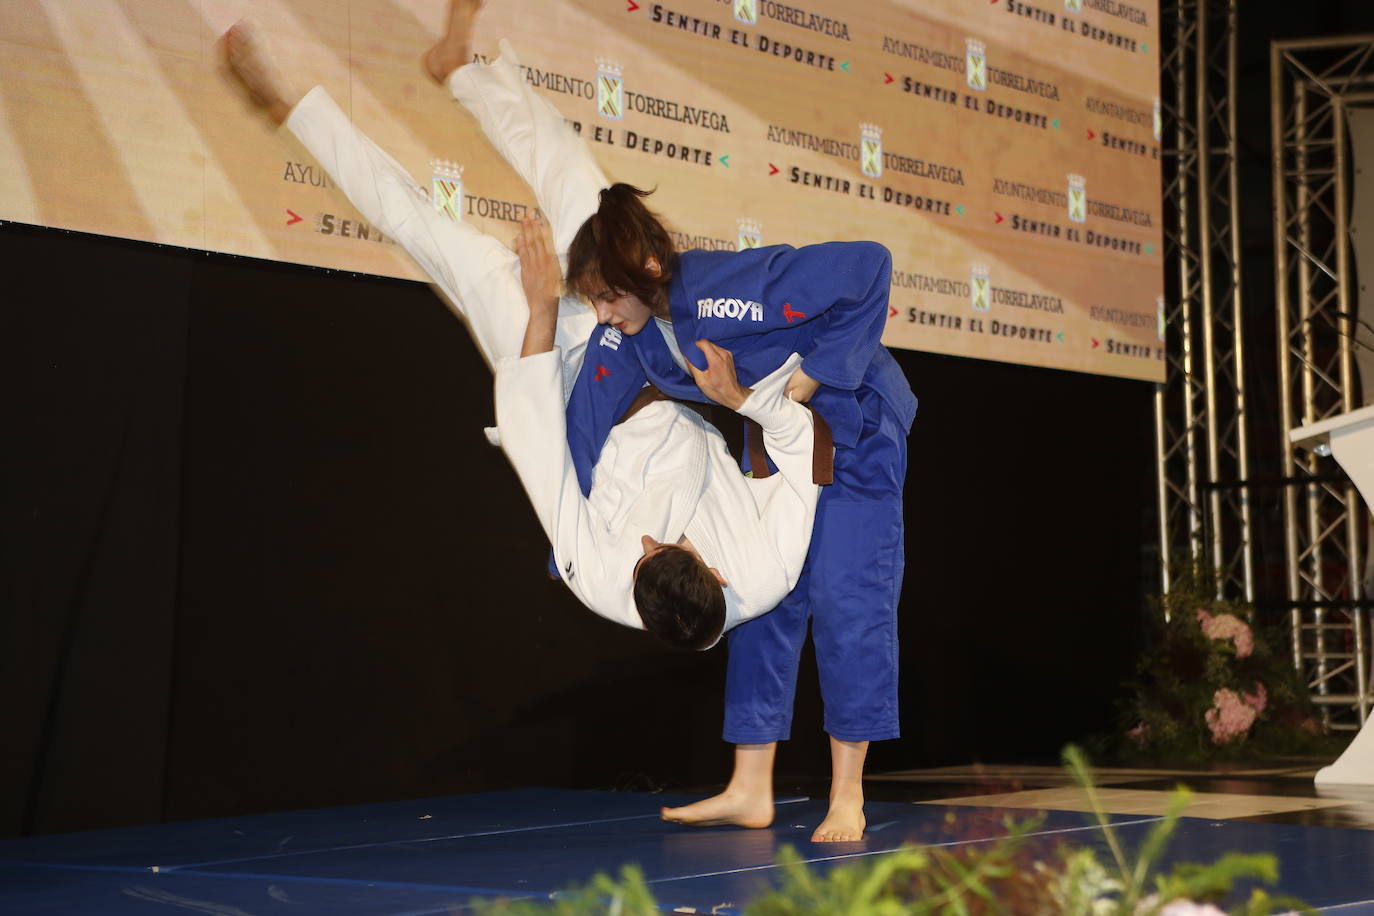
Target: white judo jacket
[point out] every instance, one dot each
(665, 472)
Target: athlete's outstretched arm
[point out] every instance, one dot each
(786, 501)
(774, 514)
(542, 282)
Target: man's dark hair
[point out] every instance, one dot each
(680, 600)
(615, 242)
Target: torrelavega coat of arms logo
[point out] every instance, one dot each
(447, 193)
(980, 288)
(1078, 199)
(750, 234)
(976, 65)
(871, 150)
(610, 89)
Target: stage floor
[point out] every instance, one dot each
(436, 855)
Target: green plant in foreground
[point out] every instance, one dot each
(1006, 875)
(975, 877)
(604, 896)
(1135, 891)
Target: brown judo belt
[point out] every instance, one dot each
(823, 450)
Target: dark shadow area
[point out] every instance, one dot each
(92, 370)
(257, 555)
(1261, 23)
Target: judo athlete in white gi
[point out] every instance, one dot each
(746, 530)
(664, 476)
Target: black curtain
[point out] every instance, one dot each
(93, 350)
(256, 554)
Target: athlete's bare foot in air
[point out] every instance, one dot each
(844, 823)
(249, 59)
(453, 50)
(737, 808)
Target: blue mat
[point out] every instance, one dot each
(436, 855)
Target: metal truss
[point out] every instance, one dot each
(1200, 430)
(1313, 83)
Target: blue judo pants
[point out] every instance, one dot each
(848, 592)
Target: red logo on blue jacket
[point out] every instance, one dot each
(789, 313)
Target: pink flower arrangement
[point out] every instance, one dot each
(1228, 626)
(1214, 684)
(1230, 717)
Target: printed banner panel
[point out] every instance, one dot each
(1007, 152)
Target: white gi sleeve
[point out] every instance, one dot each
(477, 273)
(651, 482)
(786, 501)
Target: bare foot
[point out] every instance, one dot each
(452, 51)
(249, 59)
(738, 808)
(844, 822)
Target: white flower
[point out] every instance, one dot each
(1085, 888)
(1177, 908)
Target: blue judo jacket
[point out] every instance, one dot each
(827, 302)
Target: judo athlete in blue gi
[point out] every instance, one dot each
(829, 303)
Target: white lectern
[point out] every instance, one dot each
(1350, 438)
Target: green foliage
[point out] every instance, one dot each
(1005, 876)
(986, 877)
(1135, 890)
(861, 888)
(602, 896)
